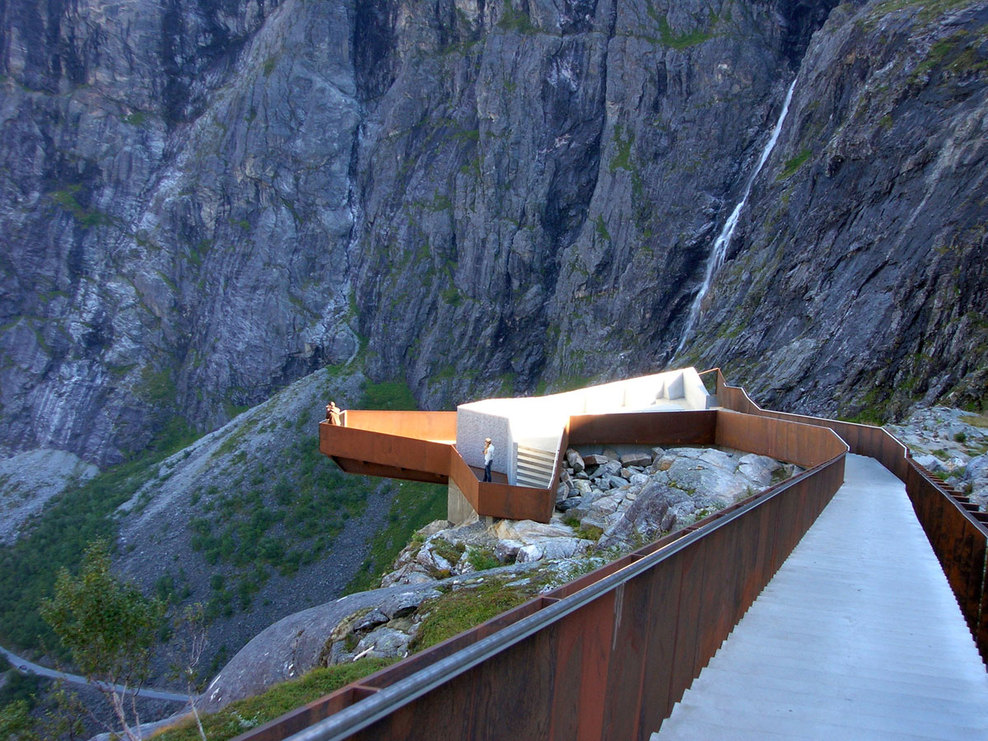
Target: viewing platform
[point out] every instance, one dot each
(530, 437)
(852, 631)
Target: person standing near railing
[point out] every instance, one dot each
(333, 413)
(488, 458)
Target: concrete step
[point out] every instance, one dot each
(536, 452)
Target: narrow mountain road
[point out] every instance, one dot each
(29, 667)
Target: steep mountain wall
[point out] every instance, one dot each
(201, 200)
(173, 212)
(860, 279)
(538, 208)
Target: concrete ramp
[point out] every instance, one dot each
(858, 636)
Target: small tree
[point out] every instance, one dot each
(191, 627)
(109, 628)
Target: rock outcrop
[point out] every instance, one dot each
(952, 444)
(671, 489)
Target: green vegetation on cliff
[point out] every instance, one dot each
(252, 712)
(57, 539)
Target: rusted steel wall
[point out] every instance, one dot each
(500, 500)
(961, 546)
(366, 451)
(868, 440)
(607, 661)
(420, 425)
(958, 534)
(785, 440)
(644, 428)
(780, 438)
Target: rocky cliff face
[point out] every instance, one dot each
(201, 200)
(860, 277)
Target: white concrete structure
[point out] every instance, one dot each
(537, 422)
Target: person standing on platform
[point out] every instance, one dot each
(488, 458)
(333, 413)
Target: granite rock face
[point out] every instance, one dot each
(859, 274)
(203, 200)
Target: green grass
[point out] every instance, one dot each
(927, 10)
(457, 611)
(622, 160)
(251, 712)
(978, 420)
(482, 559)
(589, 532)
(86, 217)
(451, 552)
(516, 20)
(957, 53)
(277, 520)
(394, 395)
(683, 40)
(793, 164)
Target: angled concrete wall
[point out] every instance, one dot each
(538, 421)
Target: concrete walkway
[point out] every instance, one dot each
(858, 636)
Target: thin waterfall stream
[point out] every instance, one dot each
(723, 240)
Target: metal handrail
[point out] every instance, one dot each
(386, 700)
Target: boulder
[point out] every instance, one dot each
(574, 460)
(593, 460)
(662, 463)
(977, 468)
(506, 551)
(644, 517)
(553, 548)
(384, 643)
(636, 459)
(371, 620)
(406, 576)
(405, 603)
(611, 468)
(563, 492)
(527, 531)
(607, 504)
(569, 504)
(758, 468)
(582, 487)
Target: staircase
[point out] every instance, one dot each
(534, 467)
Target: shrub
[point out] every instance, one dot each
(482, 559)
(463, 609)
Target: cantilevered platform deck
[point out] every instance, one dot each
(858, 636)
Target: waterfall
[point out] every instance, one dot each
(723, 240)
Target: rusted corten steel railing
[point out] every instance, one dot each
(491, 499)
(956, 530)
(606, 656)
(382, 450)
(436, 426)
